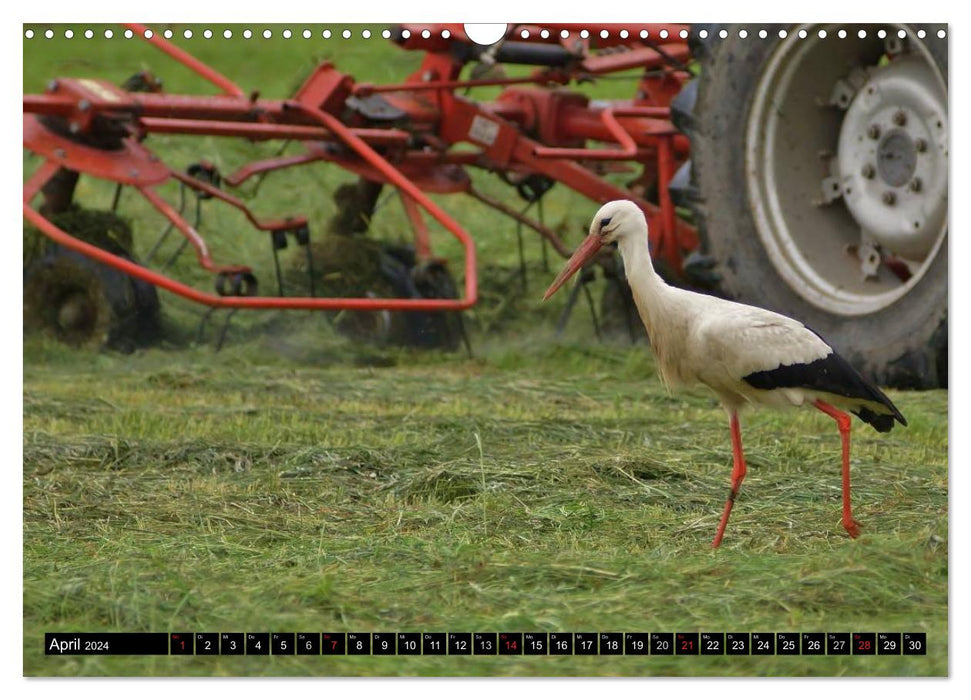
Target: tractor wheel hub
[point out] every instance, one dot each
(892, 157)
(896, 158)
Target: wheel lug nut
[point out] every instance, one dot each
(868, 171)
(920, 145)
(900, 118)
(873, 132)
(916, 185)
(889, 198)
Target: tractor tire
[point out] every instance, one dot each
(773, 123)
(84, 303)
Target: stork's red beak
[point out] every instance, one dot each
(581, 256)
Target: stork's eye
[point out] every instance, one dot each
(604, 222)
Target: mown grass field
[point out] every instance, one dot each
(556, 489)
(296, 481)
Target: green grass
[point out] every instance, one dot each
(560, 490)
(297, 482)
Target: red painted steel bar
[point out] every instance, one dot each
(586, 182)
(649, 111)
(49, 104)
(268, 165)
(197, 242)
(189, 61)
(40, 177)
(230, 115)
(232, 201)
(627, 150)
(423, 245)
(297, 303)
(212, 107)
(665, 172)
(254, 130)
(643, 125)
(395, 177)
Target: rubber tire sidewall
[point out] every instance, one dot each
(902, 345)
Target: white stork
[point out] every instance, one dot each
(745, 354)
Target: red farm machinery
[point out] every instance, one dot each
(792, 168)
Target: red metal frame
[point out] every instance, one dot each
(188, 60)
(531, 129)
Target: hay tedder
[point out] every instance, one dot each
(834, 211)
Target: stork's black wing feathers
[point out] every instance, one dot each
(834, 375)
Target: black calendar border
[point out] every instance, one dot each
(525, 643)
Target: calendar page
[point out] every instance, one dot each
(537, 349)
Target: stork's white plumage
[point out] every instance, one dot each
(746, 355)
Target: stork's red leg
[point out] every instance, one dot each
(738, 473)
(843, 421)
